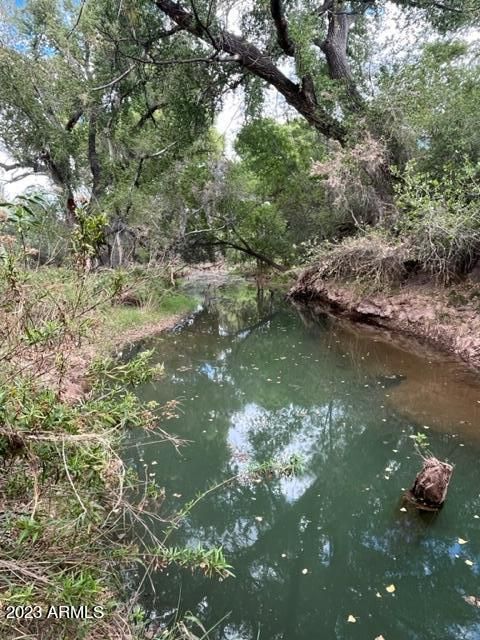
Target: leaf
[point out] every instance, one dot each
(390, 588)
(473, 600)
(351, 618)
(258, 518)
(379, 638)
(469, 563)
(304, 571)
(462, 541)
(403, 509)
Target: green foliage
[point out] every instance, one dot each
(209, 561)
(29, 530)
(135, 371)
(269, 468)
(430, 106)
(64, 488)
(63, 115)
(277, 161)
(89, 234)
(441, 216)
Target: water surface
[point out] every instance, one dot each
(254, 380)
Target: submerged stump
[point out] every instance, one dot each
(431, 484)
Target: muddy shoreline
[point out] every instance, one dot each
(424, 312)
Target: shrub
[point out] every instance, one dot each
(442, 218)
(372, 258)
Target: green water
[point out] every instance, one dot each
(256, 380)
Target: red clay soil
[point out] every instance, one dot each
(447, 318)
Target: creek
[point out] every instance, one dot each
(253, 379)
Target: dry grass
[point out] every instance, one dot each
(355, 179)
(370, 259)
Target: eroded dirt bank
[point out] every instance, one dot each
(73, 385)
(447, 318)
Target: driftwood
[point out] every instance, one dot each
(431, 484)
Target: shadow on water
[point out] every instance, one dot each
(256, 381)
(431, 388)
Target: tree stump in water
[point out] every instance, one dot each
(431, 484)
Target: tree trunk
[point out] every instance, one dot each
(93, 158)
(335, 49)
(259, 63)
(431, 484)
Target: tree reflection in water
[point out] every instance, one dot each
(257, 382)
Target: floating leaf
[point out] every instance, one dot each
(258, 518)
(304, 571)
(379, 638)
(403, 509)
(378, 594)
(469, 563)
(473, 600)
(390, 588)
(351, 618)
(462, 541)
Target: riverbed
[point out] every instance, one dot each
(331, 552)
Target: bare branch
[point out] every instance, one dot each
(79, 17)
(11, 167)
(174, 61)
(115, 80)
(281, 26)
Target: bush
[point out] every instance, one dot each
(442, 219)
(372, 258)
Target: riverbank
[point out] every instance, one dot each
(68, 500)
(147, 305)
(447, 318)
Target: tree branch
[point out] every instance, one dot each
(250, 252)
(73, 120)
(115, 80)
(281, 27)
(149, 114)
(93, 158)
(259, 64)
(11, 167)
(335, 49)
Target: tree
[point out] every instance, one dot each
(315, 37)
(75, 107)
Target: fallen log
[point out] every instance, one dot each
(431, 484)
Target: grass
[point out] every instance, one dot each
(172, 303)
(66, 493)
(71, 508)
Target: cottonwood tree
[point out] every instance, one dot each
(75, 107)
(310, 52)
